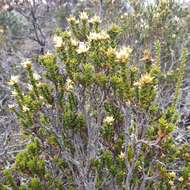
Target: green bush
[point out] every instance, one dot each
(12, 22)
(94, 117)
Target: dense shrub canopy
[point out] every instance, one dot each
(94, 117)
(101, 102)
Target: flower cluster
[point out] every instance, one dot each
(123, 55)
(98, 36)
(58, 42)
(109, 120)
(145, 80)
(82, 48)
(14, 80)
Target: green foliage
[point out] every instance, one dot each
(98, 121)
(11, 21)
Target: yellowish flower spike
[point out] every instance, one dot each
(82, 48)
(145, 79)
(14, 80)
(58, 42)
(109, 120)
(83, 16)
(123, 55)
(26, 63)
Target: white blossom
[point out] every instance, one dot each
(58, 42)
(122, 155)
(123, 54)
(109, 120)
(14, 93)
(83, 16)
(36, 76)
(10, 106)
(95, 19)
(26, 63)
(13, 80)
(69, 84)
(25, 108)
(30, 87)
(98, 36)
(82, 48)
(74, 42)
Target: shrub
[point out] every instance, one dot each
(12, 22)
(94, 118)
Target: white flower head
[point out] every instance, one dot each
(25, 108)
(30, 87)
(69, 84)
(1, 31)
(172, 174)
(94, 36)
(98, 36)
(83, 16)
(126, 14)
(145, 80)
(181, 179)
(122, 155)
(26, 63)
(136, 84)
(36, 76)
(41, 97)
(71, 19)
(58, 42)
(11, 106)
(176, 18)
(14, 80)
(109, 120)
(14, 93)
(173, 35)
(104, 35)
(171, 182)
(123, 54)
(74, 42)
(82, 48)
(95, 19)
